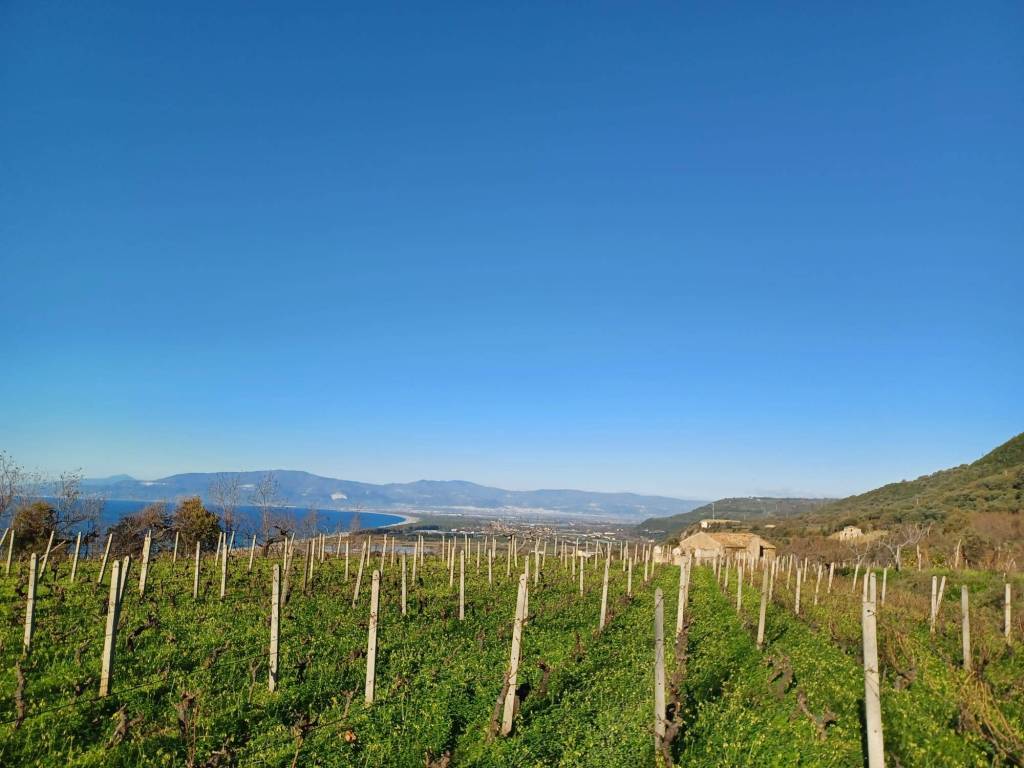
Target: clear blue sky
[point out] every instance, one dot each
(662, 247)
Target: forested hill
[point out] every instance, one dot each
(984, 498)
(740, 508)
(992, 486)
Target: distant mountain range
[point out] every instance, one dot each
(303, 489)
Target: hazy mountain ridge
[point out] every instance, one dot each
(736, 508)
(297, 488)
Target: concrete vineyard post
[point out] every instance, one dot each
(604, 594)
(371, 642)
(46, 555)
(416, 558)
(965, 626)
(174, 556)
(106, 554)
(359, 577)
(110, 633)
(252, 552)
(885, 578)
(403, 582)
(681, 602)
(30, 603)
(195, 576)
(490, 568)
(275, 627)
(659, 670)
(10, 553)
(629, 578)
(739, 587)
(224, 573)
(581, 579)
(762, 613)
(126, 565)
(796, 600)
(451, 567)
(74, 561)
(1006, 611)
(831, 573)
(144, 568)
(872, 691)
(856, 575)
(513, 665)
(346, 562)
(462, 584)
(817, 585)
(934, 604)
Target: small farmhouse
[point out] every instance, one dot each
(849, 533)
(706, 545)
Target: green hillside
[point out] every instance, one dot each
(989, 488)
(743, 508)
(979, 503)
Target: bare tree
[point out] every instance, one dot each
(311, 523)
(265, 497)
(67, 495)
(91, 513)
(225, 492)
(12, 477)
(902, 536)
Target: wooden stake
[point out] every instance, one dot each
(872, 691)
(110, 634)
(508, 715)
(275, 627)
(371, 642)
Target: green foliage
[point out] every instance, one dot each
(33, 522)
(196, 523)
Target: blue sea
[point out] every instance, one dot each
(247, 518)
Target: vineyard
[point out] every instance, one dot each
(191, 665)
